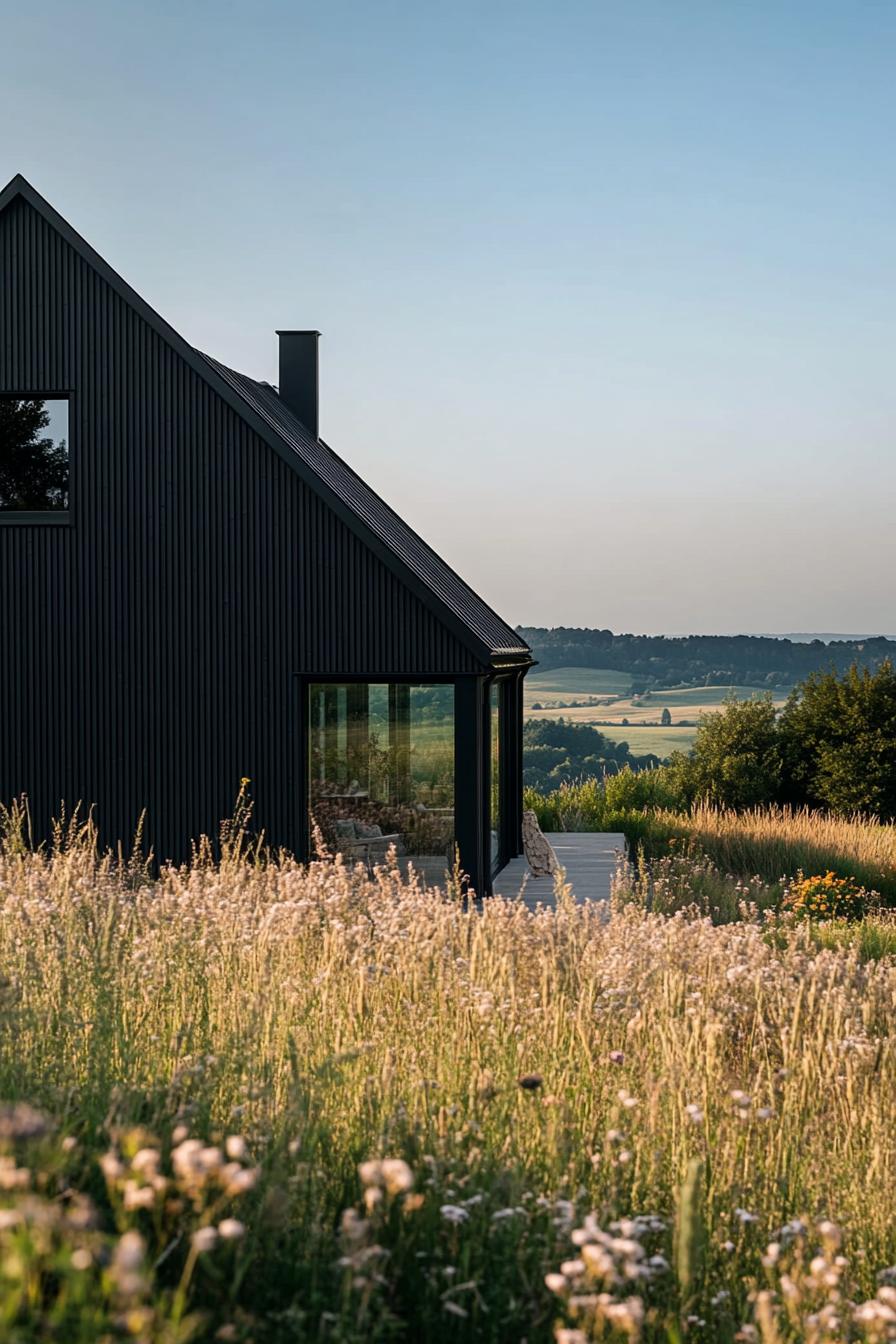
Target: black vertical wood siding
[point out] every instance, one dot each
(149, 650)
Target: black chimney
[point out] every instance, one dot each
(298, 375)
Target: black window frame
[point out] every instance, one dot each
(40, 517)
(472, 761)
(505, 685)
(301, 735)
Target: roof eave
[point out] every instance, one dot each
(505, 660)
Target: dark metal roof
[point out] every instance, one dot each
(499, 639)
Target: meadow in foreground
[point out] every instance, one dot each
(253, 1101)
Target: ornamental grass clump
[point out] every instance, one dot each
(771, 841)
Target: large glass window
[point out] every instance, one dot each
(381, 771)
(495, 774)
(34, 459)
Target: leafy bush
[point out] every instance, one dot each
(736, 758)
(872, 937)
(637, 790)
(832, 749)
(837, 737)
(579, 806)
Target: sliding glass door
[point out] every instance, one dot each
(381, 771)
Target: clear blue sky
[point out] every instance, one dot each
(608, 292)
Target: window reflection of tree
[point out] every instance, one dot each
(33, 466)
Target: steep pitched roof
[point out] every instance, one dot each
(424, 572)
(498, 637)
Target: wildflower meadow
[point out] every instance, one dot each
(248, 1100)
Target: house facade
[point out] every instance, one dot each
(197, 590)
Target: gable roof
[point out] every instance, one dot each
(393, 531)
(419, 567)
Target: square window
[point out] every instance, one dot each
(380, 770)
(34, 453)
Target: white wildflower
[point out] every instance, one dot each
(205, 1239)
(396, 1175)
(112, 1166)
(242, 1181)
(371, 1172)
(138, 1196)
(129, 1252)
(453, 1213)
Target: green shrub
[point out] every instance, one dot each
(631, 790)
(736, 760)
(579, 806)
(837, 736)
(872, 937)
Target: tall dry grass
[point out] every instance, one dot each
(519, 1070)
(774, 842)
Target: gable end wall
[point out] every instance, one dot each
(149, 652)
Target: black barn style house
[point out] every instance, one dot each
(195, 588)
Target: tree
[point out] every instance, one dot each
(838, 741)
(33, 470)
(666, 717)
(736, 760)
(555, 752)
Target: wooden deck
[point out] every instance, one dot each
(589, 858)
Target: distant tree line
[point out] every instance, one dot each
(557, 752)
(709, 660)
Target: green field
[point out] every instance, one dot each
(574, 683)
(644, 739)
(558, 690)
